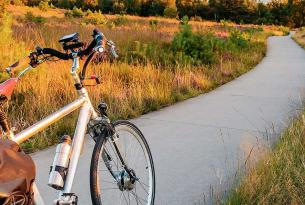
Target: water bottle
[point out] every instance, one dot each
(60, 164)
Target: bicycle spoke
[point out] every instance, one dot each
(125, 197)
(129, 197)
(138, 198)
(130, 149)
(143, 188)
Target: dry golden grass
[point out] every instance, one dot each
(299, 37)
(129, 89)
(279, 176)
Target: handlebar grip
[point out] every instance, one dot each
(56, 53)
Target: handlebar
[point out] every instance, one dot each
(57, 54)
(99, 41)
(97, 45)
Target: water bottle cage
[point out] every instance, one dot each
(61, 170)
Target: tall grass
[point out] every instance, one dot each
(279, 177)
(130, 86)
(299, 36)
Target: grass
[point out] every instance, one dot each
(299, 36)
(280, 176)
(148, 76)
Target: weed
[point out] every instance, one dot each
(77, 12)
(238, 39)
(96, 18)
(170, 12)
(30, 17)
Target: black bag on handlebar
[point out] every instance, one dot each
(17, 174)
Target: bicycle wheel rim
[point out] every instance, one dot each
(126, 197)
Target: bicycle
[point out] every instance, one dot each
(120, 146)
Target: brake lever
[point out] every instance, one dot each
(112, 49)
(9, 70)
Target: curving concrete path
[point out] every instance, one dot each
(199, 144)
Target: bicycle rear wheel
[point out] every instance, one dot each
(122, 170)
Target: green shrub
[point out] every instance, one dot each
(69, 14)
(96, 18)
(170, 12)
(77, 12)
(285, 30)
(193, 48)
(237, 39)
(153, 23)
(30, 17)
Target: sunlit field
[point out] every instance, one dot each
(152, 71)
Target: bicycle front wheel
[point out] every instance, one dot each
(122, 169)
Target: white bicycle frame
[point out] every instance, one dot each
(87, 112)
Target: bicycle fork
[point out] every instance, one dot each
(124, 178)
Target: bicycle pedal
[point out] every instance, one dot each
(67, 199)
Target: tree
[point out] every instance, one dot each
(153, 8)
(133, 6)
(235, 10)
(90, 3)
(170, 12)
(189, 7)
(280, 11)
(297, 11)
(106, 5)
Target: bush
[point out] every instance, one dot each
(77, 13)
(193, 48)
(153, 23)
(96, 18)
(285, 30)
(44, 5)
(30, 17)
(170, 12)
(69, 14)
(237, 39)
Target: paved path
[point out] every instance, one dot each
(198, 144)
